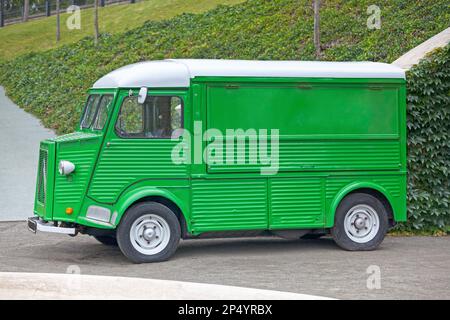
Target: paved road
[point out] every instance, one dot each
(20, 134)
(51, 286)
(411, 268)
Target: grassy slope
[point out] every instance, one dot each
(39, 35)
(52, 84)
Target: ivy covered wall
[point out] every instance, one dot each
(429, 142)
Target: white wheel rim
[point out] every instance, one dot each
(150, 234)
(361, 223)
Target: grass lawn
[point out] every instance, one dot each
(39, 35)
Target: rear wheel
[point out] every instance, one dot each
(149, 232)
(361, 223)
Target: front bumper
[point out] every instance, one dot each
(35, 224)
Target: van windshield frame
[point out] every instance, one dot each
(90, 120)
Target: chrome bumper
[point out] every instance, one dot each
(35, 224)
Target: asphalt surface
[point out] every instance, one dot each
(19, 147)
(410, 267)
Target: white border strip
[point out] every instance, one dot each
(44, 286)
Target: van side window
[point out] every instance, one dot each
(158, 117)
(89, 111)
(103, 112)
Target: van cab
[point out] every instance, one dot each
(186, 149)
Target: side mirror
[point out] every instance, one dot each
(142, 95)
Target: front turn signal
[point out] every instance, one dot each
(69, 211)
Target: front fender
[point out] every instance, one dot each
(138, 193)
(349, 188)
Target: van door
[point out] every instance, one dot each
(138, 145)
(295, 199)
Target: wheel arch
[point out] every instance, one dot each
(364, 187)
(158, 195)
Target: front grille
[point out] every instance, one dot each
(42, 176)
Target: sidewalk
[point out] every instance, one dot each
(19, 146)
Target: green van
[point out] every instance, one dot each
(214, 148)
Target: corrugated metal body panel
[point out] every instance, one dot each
(229, 205)
(296, 202)
(391, 183)
(323, 156)
(332, 155)
(70, 190)
(126, 161)
(70, 137)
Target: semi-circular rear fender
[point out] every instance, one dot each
(350, 188)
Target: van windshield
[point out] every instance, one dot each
(96, 111)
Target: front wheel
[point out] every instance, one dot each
(361, 223)
(149, 232)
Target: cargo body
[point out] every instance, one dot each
(339, 131)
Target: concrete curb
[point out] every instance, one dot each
(414, 56)
(45, 286)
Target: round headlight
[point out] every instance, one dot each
(65, 167)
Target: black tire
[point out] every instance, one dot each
(339, 233)
(107, 240)
(133, 214)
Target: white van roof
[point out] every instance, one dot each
(178, 73)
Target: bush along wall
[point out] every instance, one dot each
(429, 143)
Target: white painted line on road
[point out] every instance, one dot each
(75, 286)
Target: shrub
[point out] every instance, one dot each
(429, 142)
